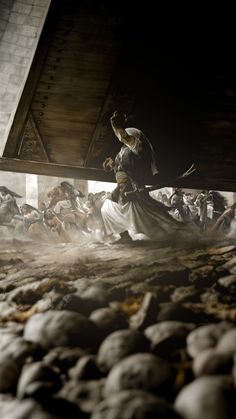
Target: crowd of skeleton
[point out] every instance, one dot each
(70, 214)
(208, 210)
(67, 212)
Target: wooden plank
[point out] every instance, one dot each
(90, 57)
(90, 51)
(66, 125)
(68, 140)
(82, 124)
(79, 69)
(67, 97)
(70, 171)
(74, 13)
(51, 169)
(56, 109)
(72, 17)
(79, 83)
(56, 104)
(41, 105)
(65, 36)
(68, 155)
(65, 148)
(94, 27)
(80, 64)
(49, 126)
(66, 113)
(69, 75)
(44, 89)
(108, 45)
(68, 159)
(57, 131)
(84, 43)
(66, 101)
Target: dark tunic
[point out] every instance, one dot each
(138, 162)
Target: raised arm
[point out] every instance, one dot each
(118, 123)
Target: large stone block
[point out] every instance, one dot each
(3, 24)
(15, 80)
(42, 2)
(4, 117)
(7, 97)
(23, 61)
(7, 107)
(38, 11)
(7, 3)
(21, 22)
(33, 21)
(5, 67)
(21, 7)
(5, 77)
(17, 70)
(13, 28)
(12, 89)
(10, 37)
(16, 17)
(5, 13)
(28, 30)
(3, 88)
(17, 50)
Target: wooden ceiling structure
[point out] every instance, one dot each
(96, 56)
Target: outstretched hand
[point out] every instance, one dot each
(108, 164)
(118, 120)
(114, 116)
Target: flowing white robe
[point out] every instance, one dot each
(139, 218)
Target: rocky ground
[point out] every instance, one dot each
(136, 331)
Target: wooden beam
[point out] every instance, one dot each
(38, 137)
(198, 180)
(51, 169)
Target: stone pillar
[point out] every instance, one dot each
(31, 190)
(21, 24)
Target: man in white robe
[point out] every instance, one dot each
(141, 214)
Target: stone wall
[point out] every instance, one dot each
(17, 183)
(47, 183)
(5, 10)
(21, 23)
(13, 181)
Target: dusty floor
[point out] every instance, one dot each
(130, 269)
